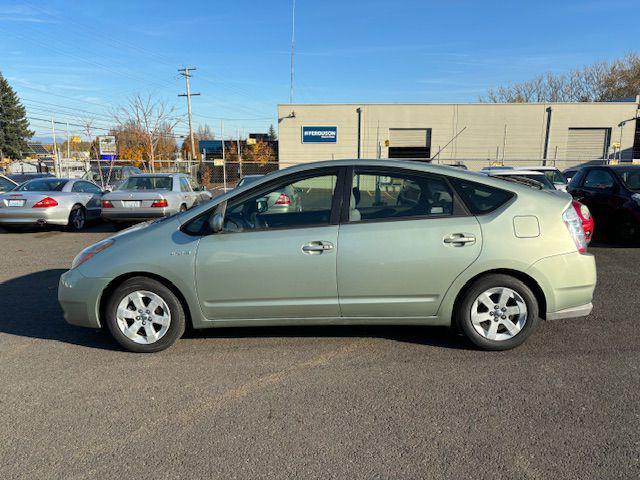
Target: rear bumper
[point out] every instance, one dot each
(79, 297)
(572, 312)
(135, 215)
(568, 282)
(30, 216)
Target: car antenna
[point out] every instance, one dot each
(447, 144)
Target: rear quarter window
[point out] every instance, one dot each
(481, 198)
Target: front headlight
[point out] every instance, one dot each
(89, 252)
(636, 197)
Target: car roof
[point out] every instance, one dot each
(515, 172)
(158, 175)
(536, 167)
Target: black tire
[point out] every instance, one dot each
(77, 219)
(176, 326)
(463, 314)
(183, 208)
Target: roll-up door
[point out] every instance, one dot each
(588, 143)
(410, 143)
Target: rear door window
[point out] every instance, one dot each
(480, 198)
(398, 195)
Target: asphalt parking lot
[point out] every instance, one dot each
(343, 402)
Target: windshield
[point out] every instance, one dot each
(43, 185)
(630, 176)
(147, 183)
(554, 176)
(6, 185)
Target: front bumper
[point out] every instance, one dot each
(79, 297)
(30, 216)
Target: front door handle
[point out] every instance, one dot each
(317, 247)
(460, 239)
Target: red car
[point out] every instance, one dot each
(587, 220)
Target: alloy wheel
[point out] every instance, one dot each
(143, 317)
(77, 219)
(499, 314)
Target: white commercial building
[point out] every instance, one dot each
(477, 134)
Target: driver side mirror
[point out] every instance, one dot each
(262, 205)
(216, 222)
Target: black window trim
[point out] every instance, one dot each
(336, 201)
(459, 207)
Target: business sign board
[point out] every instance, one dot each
(107, 147)
(319, 134)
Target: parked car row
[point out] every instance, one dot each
(72, 202)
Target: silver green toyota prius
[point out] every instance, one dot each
(371, 242)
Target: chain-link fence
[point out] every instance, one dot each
(217, 175)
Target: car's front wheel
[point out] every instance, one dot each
(144, 316)
(497, 312)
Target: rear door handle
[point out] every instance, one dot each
(460, 239)
(317, 247)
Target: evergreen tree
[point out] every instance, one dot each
(273, 136)
(14, 126)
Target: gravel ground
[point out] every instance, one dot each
(315, 402)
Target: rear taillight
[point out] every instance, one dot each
(160, 203)
(283, 199)
(574, 225)
(46, 202)
(581, 209)
(107, 204)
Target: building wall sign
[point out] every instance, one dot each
(319, 134)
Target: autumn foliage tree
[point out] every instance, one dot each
(598, 82)
(146, 127)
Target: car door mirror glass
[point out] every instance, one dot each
(262, 205)
(216, 222)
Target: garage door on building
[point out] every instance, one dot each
(410, 143)
(588, 143)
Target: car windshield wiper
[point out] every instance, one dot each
(523, 180)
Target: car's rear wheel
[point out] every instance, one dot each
(497, 312)
(77, 219)
(183, 208)
(144, 316)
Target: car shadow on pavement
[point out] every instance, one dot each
(420, 335)
(29, 308)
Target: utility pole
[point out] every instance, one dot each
(239, 151)
(56, 160)
(224, 160)
(68, 150)
(185, 73)
(293, 38)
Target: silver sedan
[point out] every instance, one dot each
(147, 196)
(56, 201)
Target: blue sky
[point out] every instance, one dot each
(82, 59)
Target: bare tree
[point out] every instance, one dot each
(153, 118)
(205, 132)
(598, 82)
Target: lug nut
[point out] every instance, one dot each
(137, 318)
(504, 317)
